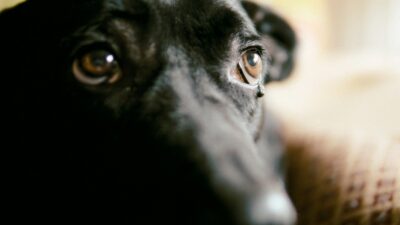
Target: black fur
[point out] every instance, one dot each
(174, 141)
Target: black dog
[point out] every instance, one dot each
(147, 112)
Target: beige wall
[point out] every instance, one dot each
(368, 25)
(8, 3)
(346, 25)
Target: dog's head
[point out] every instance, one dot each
(149, 111)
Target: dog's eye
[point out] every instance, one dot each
(96, 67)
(251, 67)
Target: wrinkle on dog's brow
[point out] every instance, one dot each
(133, 7)
(169, 2)
(130, 4)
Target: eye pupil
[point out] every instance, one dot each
(98, 63)
(102, 59)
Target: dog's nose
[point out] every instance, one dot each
(271, 209)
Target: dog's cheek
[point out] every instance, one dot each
(120, 102)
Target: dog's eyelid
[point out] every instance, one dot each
(257, 48)
(87, 32)
(88, 37)
(253, 45)
(85, 45)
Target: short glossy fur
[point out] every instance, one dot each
(175, 141)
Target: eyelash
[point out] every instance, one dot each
(259, 49)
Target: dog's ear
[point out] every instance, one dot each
(278, 36)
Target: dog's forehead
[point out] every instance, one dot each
(186, 8)
(176, 2)
(182, 3)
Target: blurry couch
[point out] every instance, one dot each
(341, 123)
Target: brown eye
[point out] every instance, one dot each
(96, 67)
(251, 67)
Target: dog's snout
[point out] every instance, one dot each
(270, 209)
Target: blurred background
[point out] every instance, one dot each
(8, 3)
(347, 77)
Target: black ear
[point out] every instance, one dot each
(278, 36)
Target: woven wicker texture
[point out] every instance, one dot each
(337, 182)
